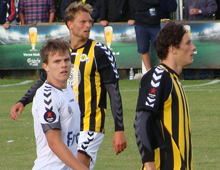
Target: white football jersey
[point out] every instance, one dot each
(55, 108)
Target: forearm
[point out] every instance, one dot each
(143, 135)
(131, 10)
(52, 16)
(11, 11)
(62, 151)
(28, 97)
(21, 17)
(116, 105)
(103, 10)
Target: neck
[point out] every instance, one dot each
(175, 67)
(77, 42)
(58, 84)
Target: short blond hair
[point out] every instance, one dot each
(74, 8)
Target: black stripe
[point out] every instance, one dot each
(102, 120)
(175, 116)
(93, 100)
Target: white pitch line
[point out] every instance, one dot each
(18, 84)
(205, 84)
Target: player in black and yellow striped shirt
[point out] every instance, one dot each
(162, 123)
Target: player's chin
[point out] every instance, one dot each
(64, 76)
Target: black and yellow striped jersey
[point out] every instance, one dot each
(162, 95)
(93, 65)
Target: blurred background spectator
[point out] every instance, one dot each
(116, 11)
(217, 14)
(32, 12)
(7, 12)
(147, 26)
(200, 9)
(166, 8)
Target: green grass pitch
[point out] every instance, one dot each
(17, 143)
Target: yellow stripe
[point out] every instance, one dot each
(187, 128)
(84, 1)
(157, 158)
(178, 152)
(76, 72)
(168, 114)
(87, 87)
(98, 89)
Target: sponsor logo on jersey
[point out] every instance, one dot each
(70, 110)
(49, 116)
(75, 77)
(84, 58)
(155, 83)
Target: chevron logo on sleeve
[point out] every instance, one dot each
(110, 57)
(155, 83)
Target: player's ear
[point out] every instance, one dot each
(172, 49)
(69, 24)
(45, 67)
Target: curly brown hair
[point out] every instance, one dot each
(170, 34)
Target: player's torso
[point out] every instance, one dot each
(63, 102)
(86, 83)
(175, 121)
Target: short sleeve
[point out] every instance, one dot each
(48, 110)
(153, 91)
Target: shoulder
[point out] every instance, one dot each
(155, 73)
(48, 93)
(101, 50)
(97, 44)
(155, 77)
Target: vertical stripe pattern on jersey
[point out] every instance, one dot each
(89, 89)
(177, 122)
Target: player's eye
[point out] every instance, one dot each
(67, 59)
(56, 61)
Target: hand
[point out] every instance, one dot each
(119, 142)
(149, 166)
(18, 107)
(131, 22)
(6, 25)
(104, 23)
(194, 11)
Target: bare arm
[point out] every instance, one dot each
(52, 16)
(61, 150)
(21, 17)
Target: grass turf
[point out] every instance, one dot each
(204, 105)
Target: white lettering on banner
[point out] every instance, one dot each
(33, 62)
(27, 55)
(36, 54)
(31, 55)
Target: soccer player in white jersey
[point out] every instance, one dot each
(56, 112)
